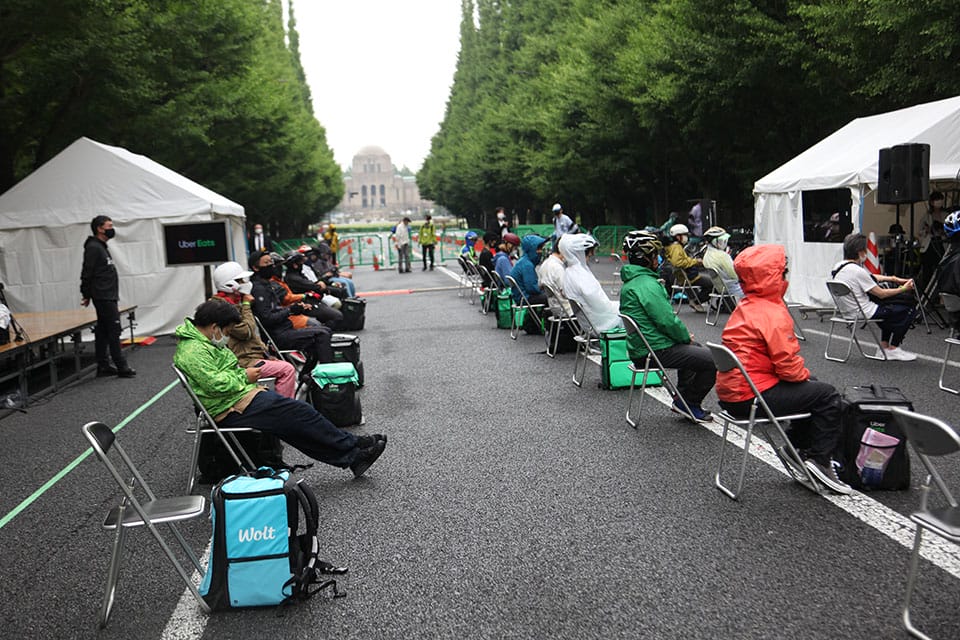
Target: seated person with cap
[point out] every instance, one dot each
(286, 324)
(760, 333)
(895, 312)
(502, 262)
(716, 257)
(311, 302)
(644, 300)
(234, 288)
(680, 261)
(581, 286)
(230, 394)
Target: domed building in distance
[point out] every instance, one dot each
(374, 186)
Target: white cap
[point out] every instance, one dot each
(557, 207)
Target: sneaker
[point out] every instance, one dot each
(366, 457)
(826, 474)
(896, 353)
(365, 442)
(697, 306)
(699, 415)
(126, 372)
(103, 372)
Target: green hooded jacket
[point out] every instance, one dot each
(644, 299)
(212, 371)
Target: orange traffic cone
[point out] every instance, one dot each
(376, 263)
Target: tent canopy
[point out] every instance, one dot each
(45, 218)
(848, 160)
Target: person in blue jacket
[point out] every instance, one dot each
(502, 263)
(525, 270)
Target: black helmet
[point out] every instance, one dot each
(641, 244)
(293, 257)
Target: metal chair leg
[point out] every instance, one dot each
(911, 584)
(633, 380)
(113, 570)
(826, 350)
(717, 481)
(943, 367)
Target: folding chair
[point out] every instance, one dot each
(558, 317)
(464, 281)
(294, 357)
(684, 290)
(487, 296)
(719, 298)
(725, 360)
(588, 343)
(797, 329)
(929, 437)
(524, 304)
(840, 291)
(206, 425)
(473, 277)
(632, 329)
(136, 512)
(951, 303)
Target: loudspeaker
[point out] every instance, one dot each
(904, 174)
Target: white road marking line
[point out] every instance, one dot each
(892, 524)
(187, 622)
(920, 356)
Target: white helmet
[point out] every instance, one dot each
(557, 207)
(226, 275)
(679, 230)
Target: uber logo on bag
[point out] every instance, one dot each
(254, 535)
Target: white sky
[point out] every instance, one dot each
(379, 72)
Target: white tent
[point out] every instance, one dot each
(848, 159)
(45, 219)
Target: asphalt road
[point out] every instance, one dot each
(509, 504)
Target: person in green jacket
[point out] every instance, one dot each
(232, 397)
(428, 240)
(644, 299)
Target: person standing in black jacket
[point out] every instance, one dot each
(99, 282)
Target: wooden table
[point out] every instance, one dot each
(44, 345)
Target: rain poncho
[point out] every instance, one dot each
(581, 286)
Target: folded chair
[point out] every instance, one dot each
(929, 438)
(951, 303)
(206, 425)
(145, 511)
(850, 321)
(768, 423)
(557, 318)
(657, 367)
(524, 304)
(588, 344)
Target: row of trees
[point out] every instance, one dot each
(212, 89)
(625, 109)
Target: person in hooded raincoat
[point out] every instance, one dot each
(760, 333)
(525, 270)
(581, 286)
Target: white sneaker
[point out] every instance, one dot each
(896, 353)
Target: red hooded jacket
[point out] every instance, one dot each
(760, 329)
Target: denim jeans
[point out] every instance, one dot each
(299, 425)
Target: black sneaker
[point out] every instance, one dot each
(126, 372)
(103, 372)
(365, 442)
(827, 475)
(366, 458)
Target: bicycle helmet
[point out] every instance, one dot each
(641, 245)
(679, 230)
(226, 275)
(471, 237)
(717, 236)
(951, 224)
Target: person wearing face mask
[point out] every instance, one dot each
(525, 270)
(895, 311)
(298, 283)
(230, 394)
(234, 288)
(286, 324)
(100, 283)
(259, 241)
(760, 333)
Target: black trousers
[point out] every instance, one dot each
(427, 249)
(314, 342)
(696, 373)
(820, 435)
(107, 334)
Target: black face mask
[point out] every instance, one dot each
(109, 233)
(268, 272)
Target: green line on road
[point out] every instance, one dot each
(70, 467)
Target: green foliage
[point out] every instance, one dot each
(625, 110)
(206, 87)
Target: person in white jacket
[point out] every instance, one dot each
(580, 285)
(550, 272)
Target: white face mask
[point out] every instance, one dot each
(222, 341)
(245, 288)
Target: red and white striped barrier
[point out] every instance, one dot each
(873, 259)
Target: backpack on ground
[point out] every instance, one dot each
(215, 463)
(615, 363)
(873, 448)
(354, 312)
(333, 392)
(264, 549)
(346, 348)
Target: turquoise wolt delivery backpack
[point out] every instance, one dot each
(258, 555)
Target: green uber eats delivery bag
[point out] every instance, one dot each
(615, 363)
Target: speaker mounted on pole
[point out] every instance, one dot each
(904, 174)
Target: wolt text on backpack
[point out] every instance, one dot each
(262, 552)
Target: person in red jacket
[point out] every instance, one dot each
(760, 333)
